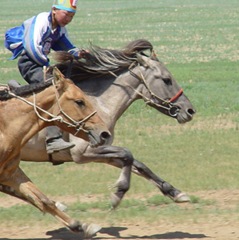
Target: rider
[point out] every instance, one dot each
(32, 42)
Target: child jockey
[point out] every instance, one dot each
(32, 42)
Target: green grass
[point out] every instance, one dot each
(130, 210)
(198, 41)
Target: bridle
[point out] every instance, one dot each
(161, 103)
(78, 125)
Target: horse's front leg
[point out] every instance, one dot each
(20, 186)
(123, 158)
(166, 188)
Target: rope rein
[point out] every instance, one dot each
(78, 125)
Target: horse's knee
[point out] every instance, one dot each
(127, 156)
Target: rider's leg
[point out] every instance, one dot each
(54, 141)
(33, 73)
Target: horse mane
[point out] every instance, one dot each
(24, 90)
(100, 61)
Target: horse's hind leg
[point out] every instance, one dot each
(21, 187)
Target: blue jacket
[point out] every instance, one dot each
(37, 38)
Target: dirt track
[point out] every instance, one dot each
(217, 230)
(218, 227)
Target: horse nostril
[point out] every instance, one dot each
(191, 111)
(105, 135)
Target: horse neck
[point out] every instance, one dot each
(24, 123)
(117, 95)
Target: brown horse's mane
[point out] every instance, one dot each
(100, 61)
(24, 90)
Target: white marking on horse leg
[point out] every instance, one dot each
(62, 207)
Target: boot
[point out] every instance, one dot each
(57, 144)
(54, 141)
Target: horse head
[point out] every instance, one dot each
(76, 112)
(160, 90)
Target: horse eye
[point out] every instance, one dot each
(80, 103)
(167, 81)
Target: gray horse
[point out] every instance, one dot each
(114, 79)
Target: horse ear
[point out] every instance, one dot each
(141, 60)
(58, 78)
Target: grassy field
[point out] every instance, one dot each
(198, 41)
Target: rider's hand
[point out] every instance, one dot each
(83, 53)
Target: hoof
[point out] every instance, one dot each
(90, 230)
(74, 226)
(182, 198)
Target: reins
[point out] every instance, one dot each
(78, 125)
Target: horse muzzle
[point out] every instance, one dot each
(98, 139)
(182, 115)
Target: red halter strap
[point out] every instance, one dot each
(176, 96)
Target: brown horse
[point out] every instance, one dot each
(28, 110)
(114, 79)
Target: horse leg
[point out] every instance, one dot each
(20, 186)
(166, 188)
(124, 159)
